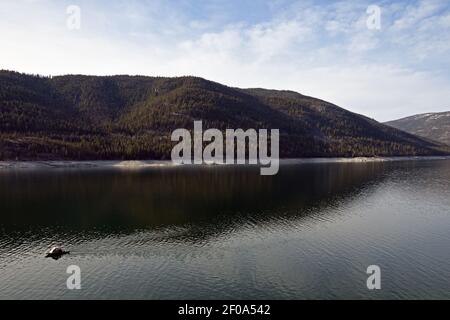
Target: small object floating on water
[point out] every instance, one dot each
(56, 253)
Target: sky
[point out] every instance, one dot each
(383, 59)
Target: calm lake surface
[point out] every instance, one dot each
(228, 233)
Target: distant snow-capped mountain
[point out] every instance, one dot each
(435, 126)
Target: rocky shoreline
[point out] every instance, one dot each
(132, 164)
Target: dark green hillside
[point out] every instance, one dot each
(131, 117)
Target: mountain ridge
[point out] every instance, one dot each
(82, 117)
(431, 125)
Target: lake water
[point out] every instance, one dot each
(228, 233)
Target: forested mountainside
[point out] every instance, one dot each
(78, 117)
(434, 126)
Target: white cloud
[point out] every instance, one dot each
(416, 13)
(325, 52)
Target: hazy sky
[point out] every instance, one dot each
(319, 48)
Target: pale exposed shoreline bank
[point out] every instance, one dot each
(138, 164)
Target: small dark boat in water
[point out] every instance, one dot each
(56, 253)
